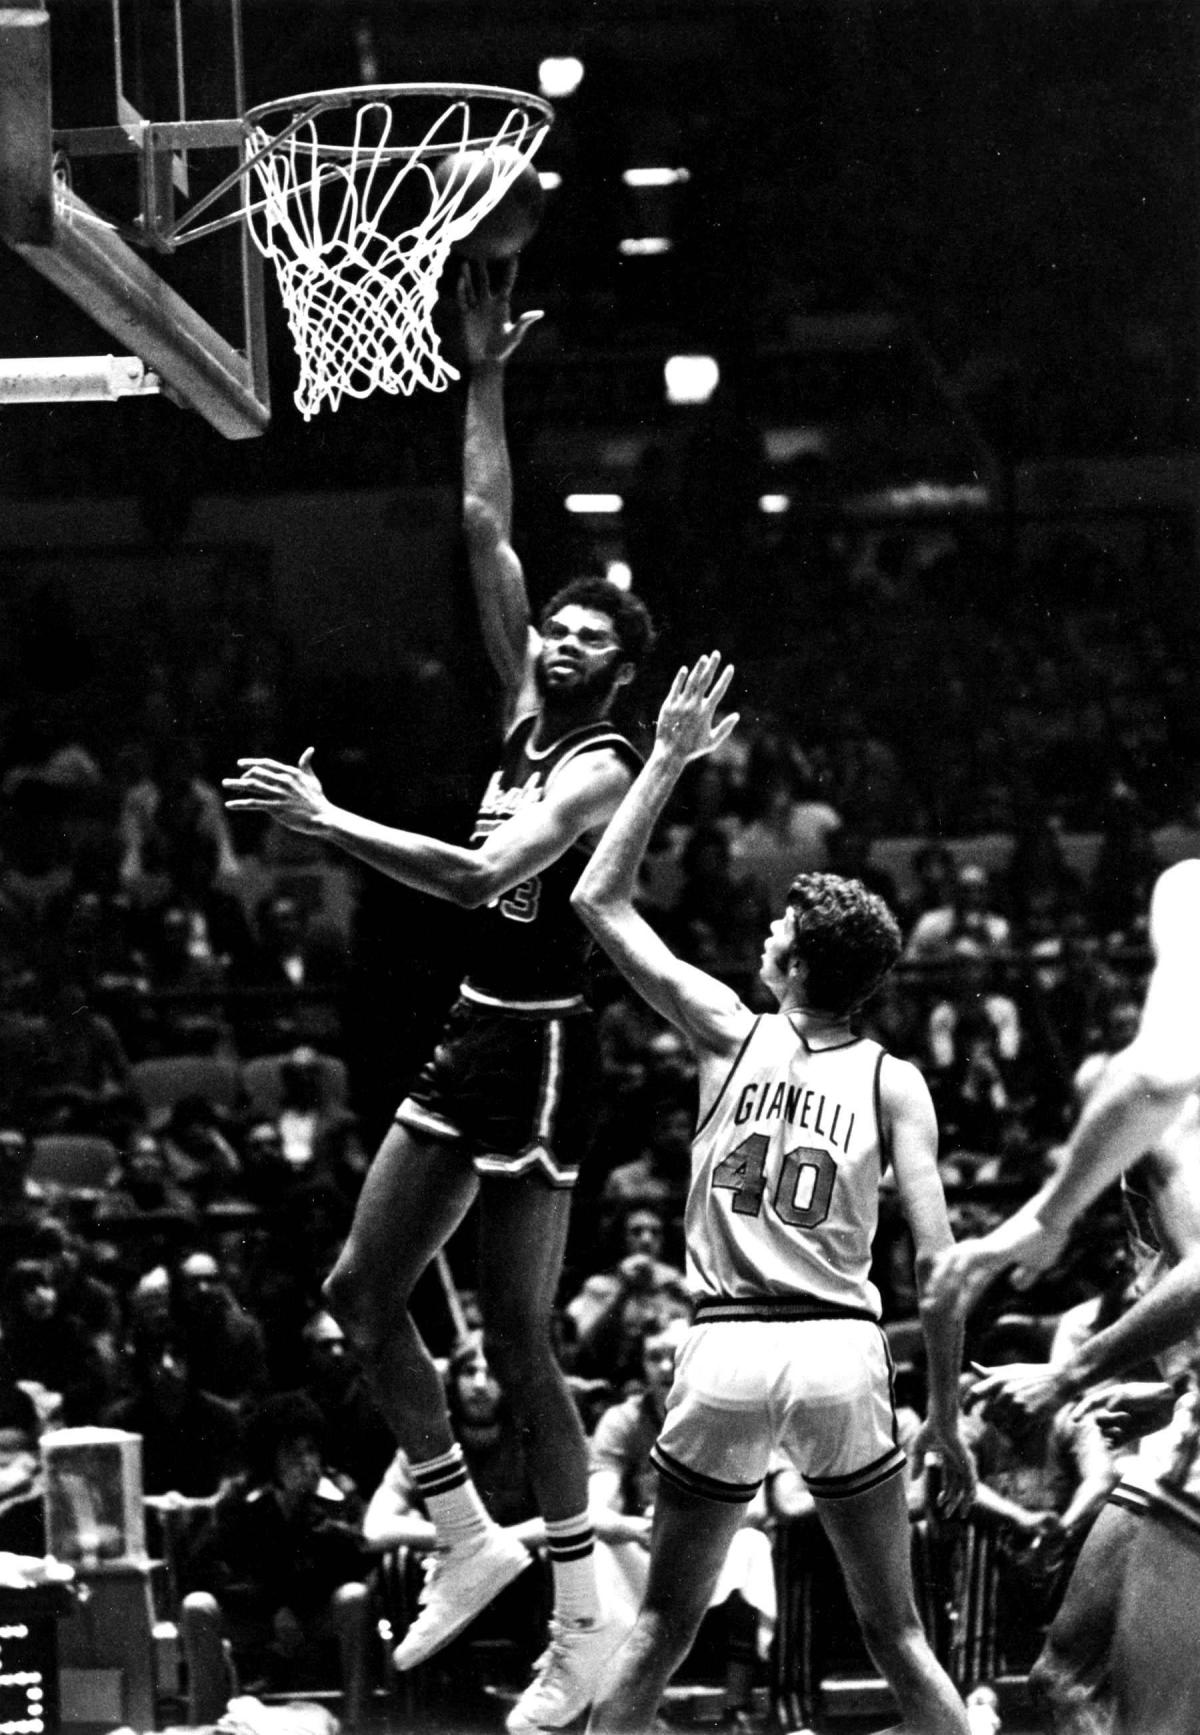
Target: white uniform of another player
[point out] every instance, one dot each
(786, 1350)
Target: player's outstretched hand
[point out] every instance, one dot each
(291, 794)
(1127, 1411)
(490, 334)
(685, 722)
(1017, 1395)
(1023, 1245)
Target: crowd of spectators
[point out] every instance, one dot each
(173, 1007)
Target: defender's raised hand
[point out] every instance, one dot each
(490, 334)
(291, 794)
(685, 722)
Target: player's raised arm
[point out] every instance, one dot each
(490, 336)
(708, 1012)
(1138, 1094)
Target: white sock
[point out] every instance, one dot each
(457, 1513)
(571, 1543)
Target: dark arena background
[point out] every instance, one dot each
(869, 357)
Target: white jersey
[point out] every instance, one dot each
(784, 1196)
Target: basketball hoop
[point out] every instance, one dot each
(359, 227)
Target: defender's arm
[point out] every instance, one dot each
(705, 1010)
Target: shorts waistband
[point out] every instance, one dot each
(774, 1307)
(1152, 1498)
(564, 1006)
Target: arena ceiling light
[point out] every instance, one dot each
(691, 379)
(588, 504)
(774, 504)
(656, 177)
(560, 75)
(645, 246)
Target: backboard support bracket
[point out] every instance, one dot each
(91, 264)
(87, 256)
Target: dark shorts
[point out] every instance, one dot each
(516, 1091)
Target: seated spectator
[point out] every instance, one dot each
(186, 978)
(644, 1300)
(621, 1498)
(935, 873)
(671, 1069)
(280, 1570)
(168, 810)
(642, 1270)
(143, 1186)
(293, 951)
(972, 990)
(976, 1100)
(22, 1201)
(22, 1491)
(360, 1443)
(721, 915)
(624, 1028)
(148, 1307)
(659, 1176)
(45, 1343)
(224, 1344)
(197, 1139)
(968, 913)
(788, 824)
(79, 1078)
(266, 1173)
(87, 1293)
(318, 1136)
(190, 1438)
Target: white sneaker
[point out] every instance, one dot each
(458, 1584)
(569, 1674)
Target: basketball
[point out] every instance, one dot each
(505, 229)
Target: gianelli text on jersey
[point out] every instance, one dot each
(786, 1165)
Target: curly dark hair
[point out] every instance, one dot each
(629, 615)
(845, 935)
(276, 1421)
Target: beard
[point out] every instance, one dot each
(587, 696)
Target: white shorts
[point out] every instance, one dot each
(818, 1390)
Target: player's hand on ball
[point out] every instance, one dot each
(291, 794)
(490, 334)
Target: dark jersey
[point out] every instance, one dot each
(528, 948)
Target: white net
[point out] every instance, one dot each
(358, 271)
